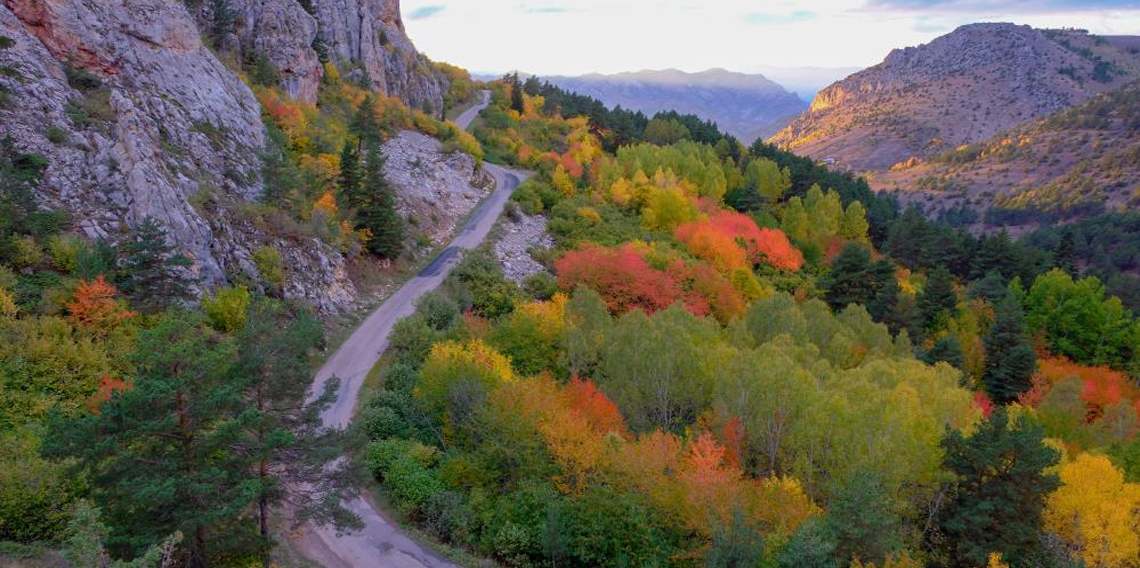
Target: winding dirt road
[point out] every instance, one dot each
(381, 543)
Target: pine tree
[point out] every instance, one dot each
(517, 103)
(159, 455)
(149, 271)
(1065, 255)
(366, 124)
(223, 24)
(852, 279)
(1010, 359)
(938, 297)
(947, 350)
(287, 444)
(1001, 484)
(882, 306)
(378, 212)
(350, 183)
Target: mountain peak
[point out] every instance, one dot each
(959, 88)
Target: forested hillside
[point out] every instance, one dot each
(732, 356)
(740, 358)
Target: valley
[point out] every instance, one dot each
(278, 289)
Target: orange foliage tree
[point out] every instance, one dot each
(95, 306)
(758, 245)
(1103, 386)
(108, 386)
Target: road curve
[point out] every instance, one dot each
(381, 543)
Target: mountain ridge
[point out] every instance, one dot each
(747, 105)
(960, 88)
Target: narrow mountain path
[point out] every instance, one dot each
(381, 543)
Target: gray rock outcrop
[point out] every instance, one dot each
(138, 119)
(435, 188)
(365, 34)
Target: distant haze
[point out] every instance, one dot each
(749, 106)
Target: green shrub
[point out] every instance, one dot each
(227, 309)
(269, 265)
(439, 311)
(34, 493)
(64, 251)
(6, 42)
(412, 485)
(56, 135)
(24, 252)
(447, 516)
(382, 422)
(541, 286)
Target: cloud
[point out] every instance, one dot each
(547, 10)
(425, 12)
(764, 19)
(1007, 6)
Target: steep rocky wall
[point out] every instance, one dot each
(154, 126)
(371, 32)
(366, 33)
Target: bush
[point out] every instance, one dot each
(269, 265)
(227, 309)
(34, 493)
(447, 516)
(64, 251)
(411, 485)
(541, 286)
(439, 311)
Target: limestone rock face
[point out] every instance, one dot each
(282, 31)
(366, 34)
(138, 119)
(371, 33)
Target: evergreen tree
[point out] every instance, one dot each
(862, 519)
(1000, 488)
(20, 174)
(149, 271)
(159, 455)
(366, 123)
(938, 296)
(996, 252)
(517, 103)
(991, 287)
(1065, 255)
(948, 350)
(351, 194)
(287, 443)
(87, 535)
(735, 544)
(96, 259)
(1010, 359)
(378, 211)
(851, 280)
(223, 23)
(882, 306)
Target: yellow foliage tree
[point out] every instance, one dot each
(1096, 513)
(451, 363)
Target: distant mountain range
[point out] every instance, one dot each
(988, 115)
(748, 106)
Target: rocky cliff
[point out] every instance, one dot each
(138, 118)
(961, 88)
(366, 35)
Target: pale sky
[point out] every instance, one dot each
(571, 37)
